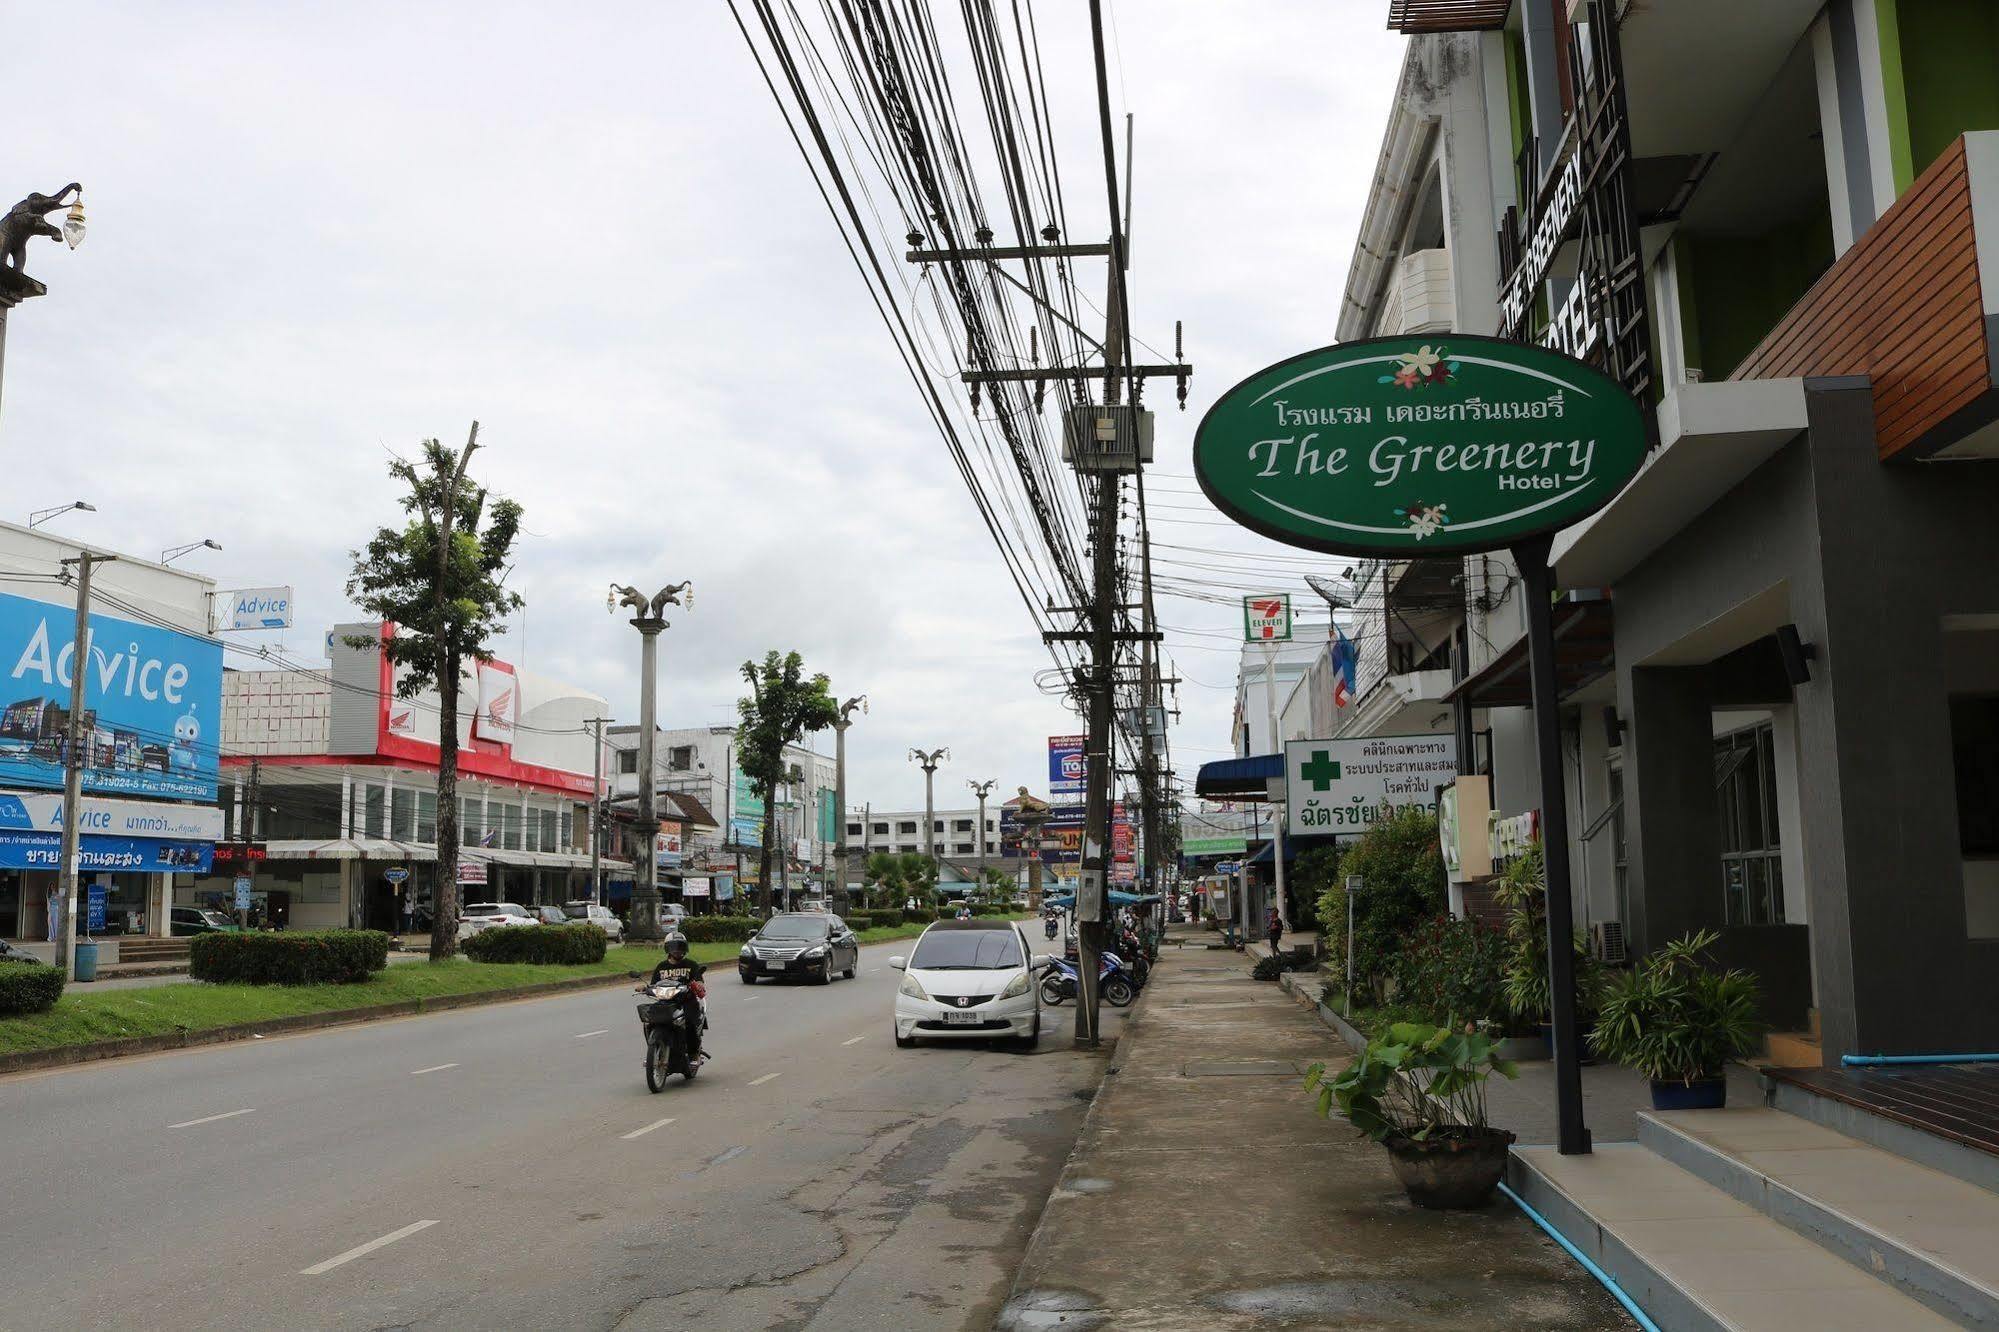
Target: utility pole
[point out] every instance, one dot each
(597, 811)
(930, 762)
(838, 900)
(1278, 817)
(982, 790)
(74, 759)
(649, 621)
(247, 827)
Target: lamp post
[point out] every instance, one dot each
(929, 762)
(172, 553)
(20, 224)
(648, 619)
(40, 516)
(981, 790)
(840, 725)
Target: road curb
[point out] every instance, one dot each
(64, 1056)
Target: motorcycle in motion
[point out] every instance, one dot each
(664, 1019)
(1114, 982)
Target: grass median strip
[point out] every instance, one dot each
(84, 1017)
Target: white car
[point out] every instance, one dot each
(477, 916)
(601, 916)
(969, 978)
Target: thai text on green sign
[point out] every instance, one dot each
(1410, 446)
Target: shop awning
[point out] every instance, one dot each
(1584, 649)
(1239, 778)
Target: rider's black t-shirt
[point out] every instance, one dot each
(678, 973)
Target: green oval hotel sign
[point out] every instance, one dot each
(1412, 446)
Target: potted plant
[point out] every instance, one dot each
(1679, 1020)
(1419, 1091)
(1523, 891)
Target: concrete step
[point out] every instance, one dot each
(1794, 1049)
(136, 949)
(1932, 1237)
(1891, 1135)
(1698, 1260)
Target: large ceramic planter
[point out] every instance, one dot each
(1451, 1172)
(1701, 1094)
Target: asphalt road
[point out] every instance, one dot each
(509, 1169)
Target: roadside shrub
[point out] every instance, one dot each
(28, 987)
(558, 945)
(1453, 969)
(1268, 968)
(718, 929)
(1401, 867)
(920, 916)
(311, 957)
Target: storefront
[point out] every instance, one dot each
(130, 854)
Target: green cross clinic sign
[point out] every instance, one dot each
(1441, 444)
(1347, 786)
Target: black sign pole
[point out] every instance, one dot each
(1572, 1135)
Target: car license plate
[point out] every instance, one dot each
(774, 964)
(954, 1018)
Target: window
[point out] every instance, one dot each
(628, 762)
(959, 825)
(548, 830)
(907, 848)
(963, 849)
(1752, 868)
(853, 830)
(471, 820)
(937, 826)
(374, 811)
(532, 818)
(402, 815)
(905, 827)
(570, 814)
(680, 758)
(426, 816)
(878, 829)
(510, 826)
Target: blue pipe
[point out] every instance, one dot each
(1875, 1061)
(1609, 1282)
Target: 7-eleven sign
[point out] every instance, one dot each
(1267, 618)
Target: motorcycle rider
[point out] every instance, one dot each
(676, 969)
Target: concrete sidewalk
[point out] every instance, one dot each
(1205, 1193)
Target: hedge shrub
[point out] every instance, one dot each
(28, 987)
(920, 916)
(717, 929)
(556, 945)
(311, 957)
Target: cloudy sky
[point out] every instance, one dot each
(319, 234)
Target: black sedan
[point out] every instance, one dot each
(806, 944)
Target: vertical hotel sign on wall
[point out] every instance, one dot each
(1586, 199)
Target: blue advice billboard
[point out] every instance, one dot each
(153, 698)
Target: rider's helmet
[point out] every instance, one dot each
(676, 946)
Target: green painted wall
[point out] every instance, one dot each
(1949, 73)
(1742, 286)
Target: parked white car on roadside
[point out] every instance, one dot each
(589, 913)
(969, 978)
(477, 916)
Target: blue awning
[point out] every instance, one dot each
(1118, 896)
(1239, 778)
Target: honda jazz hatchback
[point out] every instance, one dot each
(969, 978)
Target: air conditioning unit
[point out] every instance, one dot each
(1606, 940)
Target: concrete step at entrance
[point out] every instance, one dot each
(1697, 1259)
(1932, 1237)
(152, 950)
(1794, 1049)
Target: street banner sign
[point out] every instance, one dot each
(1229, 845)
(1267, 618)
(1066, 766)
(694, 887)
(1418, 446)
(94, 919)
(241, 895)
(395, 875)
(1347, 786)
(256, 608)
(472, 873)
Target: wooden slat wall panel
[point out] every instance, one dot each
(1903, 307)
(1414, 16)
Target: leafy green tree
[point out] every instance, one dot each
(782, 708)
(1401, 867)
(439, 581)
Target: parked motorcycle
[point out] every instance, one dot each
(1114, 983)
(664, 1019)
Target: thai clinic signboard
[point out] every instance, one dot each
(499, 702)
(1347, 786)
(256, 608)
(666, 847)
(1266, 619)
(472, 873)
(1067, 769)
(694, 887)
(1404, 447)
(154, 700)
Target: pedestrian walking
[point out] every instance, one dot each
(1273, 925)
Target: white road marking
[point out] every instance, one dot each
(758, 1082)
(434, 1068)
(750, 1000)
(368, 1248)
(640, 1133)
(585, 1035)
(855, 1041)
(210, 1119)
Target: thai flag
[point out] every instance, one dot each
(1343, 668)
